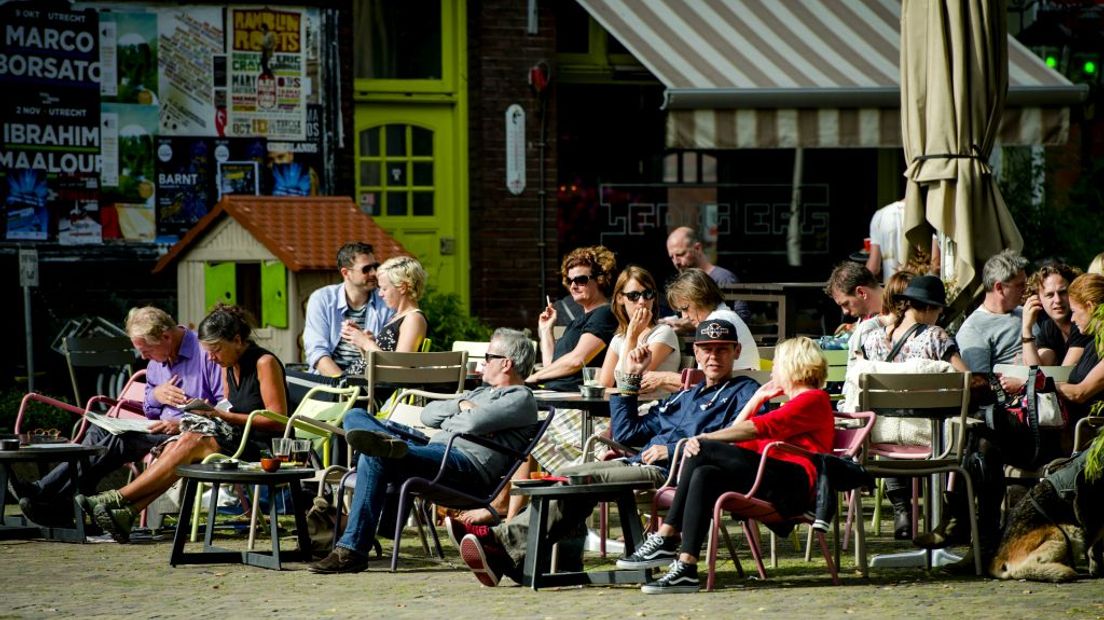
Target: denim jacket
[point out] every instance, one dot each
(325, 315)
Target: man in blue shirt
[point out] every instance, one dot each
(705, 407)
(334, 311)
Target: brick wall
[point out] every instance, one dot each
(505, 258)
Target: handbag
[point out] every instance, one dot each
(1041, 405)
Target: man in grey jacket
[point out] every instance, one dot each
(503, 408)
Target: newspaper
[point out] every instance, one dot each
(118, 426)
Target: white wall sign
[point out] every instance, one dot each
(515, 149)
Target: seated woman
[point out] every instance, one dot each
(911, 333)
(697, 297)
(1086, 381)
(635, 304)
(587, 275)
(715, 465)
(253, 378)
(402, 282)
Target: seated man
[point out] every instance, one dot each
(177, 372)
(503, 408)
(334, 311)
(708, 406)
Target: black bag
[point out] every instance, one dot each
(1019, 443)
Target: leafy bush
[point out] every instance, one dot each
(449, 321)
(1064, 226)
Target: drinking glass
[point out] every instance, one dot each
(300, 451)
(590, 375)
(281, 448)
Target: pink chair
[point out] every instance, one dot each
(750, 510)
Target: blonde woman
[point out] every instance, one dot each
(728, 459)
(635, 306)
(402, 282)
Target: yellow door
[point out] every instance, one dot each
(410, 179)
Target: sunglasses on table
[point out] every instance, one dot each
(634, 296)
(369, 268)
(579, 280)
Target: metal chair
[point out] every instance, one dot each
(97, 352)
(917, 393)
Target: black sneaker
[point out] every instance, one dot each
(655, 552)
(681, 578)
(47, 513)
(340, 560)
(375, 443)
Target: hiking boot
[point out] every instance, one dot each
(457, 530)
(115, 521)
(340, 560)
(110, 499)
(19, 488)
(681, 578)
(47, 513)
(655, 552)
(374, 443)
(486, 559)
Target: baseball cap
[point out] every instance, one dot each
(715, 330)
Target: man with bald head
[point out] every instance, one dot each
(685, 249)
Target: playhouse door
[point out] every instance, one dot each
(409, 179)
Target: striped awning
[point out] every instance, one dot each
(803, 73)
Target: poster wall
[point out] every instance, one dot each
(115, 116)
(267, 73)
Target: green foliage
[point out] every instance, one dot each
(449, 321)
(39, 415)
(1066, 227)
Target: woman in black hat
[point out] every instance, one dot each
(912, 332)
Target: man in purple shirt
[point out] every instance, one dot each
(178, 371)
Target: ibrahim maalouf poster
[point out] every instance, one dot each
(49, 74)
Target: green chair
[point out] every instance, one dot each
(318, 417)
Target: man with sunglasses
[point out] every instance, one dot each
(710, 405)
(335, 311)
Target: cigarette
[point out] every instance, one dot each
(548, 299)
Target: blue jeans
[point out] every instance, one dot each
(373, 474)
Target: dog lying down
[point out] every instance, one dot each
(1053, 525)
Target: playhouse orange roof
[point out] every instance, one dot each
(304, 233)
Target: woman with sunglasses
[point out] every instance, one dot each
(586, 276)
(402, 282)
(636, 304)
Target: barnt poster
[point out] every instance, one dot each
(185, 183)
(267, 73)
(189, 42)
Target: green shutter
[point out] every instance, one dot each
(274, 305)
(220, 283)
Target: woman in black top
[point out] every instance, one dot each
(588, 274)
(254, 379)
(1086, 382)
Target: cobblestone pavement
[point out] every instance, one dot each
(57, 580)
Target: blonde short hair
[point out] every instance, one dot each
(148, 323)
(800, 362)
(407, 273)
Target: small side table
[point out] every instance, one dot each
(538, 553)
(70, 453)
(194, 474)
